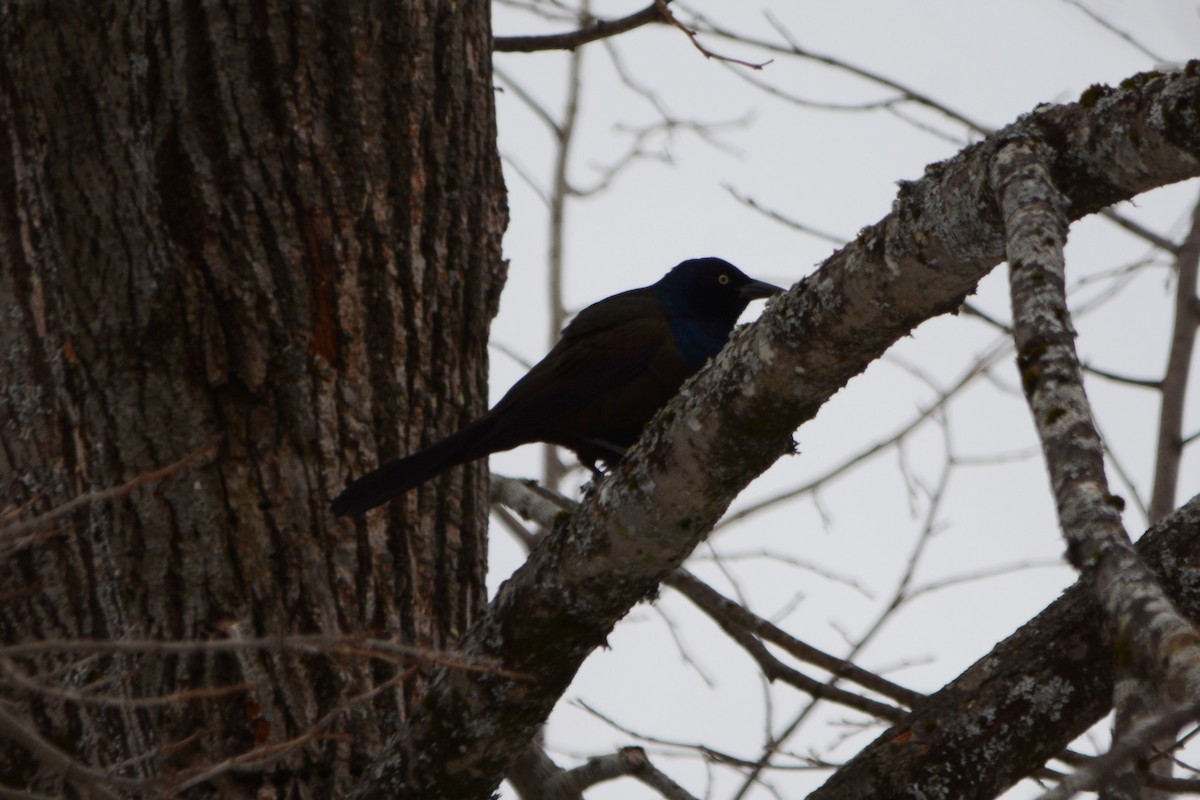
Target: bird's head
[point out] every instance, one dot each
(710, 288)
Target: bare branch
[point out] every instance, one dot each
(530, 500)
(819, 105)
(1048, 682)
(990, 357)
(590, 32)
(1123, 476)
(9, 533)
(793, 48)
(533, 772)
(267, 754)
(1113, 29)
(980, 574)
(784, 557)
(87, 780)
(1169, 450)
(750, 202)
(1147, 623)
(734, 617)
(8, 793)
(1128, 380)
(692, 35)
(1137, 229)
(628, 761)
(529, 100)
(888, 610)
(353, 644)
(20, 678)
(553, 468)
(531, 182)
(1129, 747)
(705, 751)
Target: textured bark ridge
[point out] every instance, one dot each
(270, 235)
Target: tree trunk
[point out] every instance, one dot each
(267, 234)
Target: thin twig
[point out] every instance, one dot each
(693, 36)
(88, 780)
(26, 682)
(265, 755)
(1118, 32)
(705, 751)
(792, 48)
(993, 354)
(589, 32)
(750, 202)
(1123, 752)
(1169, 451)
(316, 642)
(198, 458)
(889, 609)
(729, 614)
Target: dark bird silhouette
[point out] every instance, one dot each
(618, 362)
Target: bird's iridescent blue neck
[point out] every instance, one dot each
(698, 341)
(699, 333)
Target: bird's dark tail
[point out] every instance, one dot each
(397, 477)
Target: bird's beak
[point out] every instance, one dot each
(756, 290)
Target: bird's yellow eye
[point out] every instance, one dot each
(722, 279)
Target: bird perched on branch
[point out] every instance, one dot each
(618, 362)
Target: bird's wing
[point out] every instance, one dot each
(607, 344)
(635, 310)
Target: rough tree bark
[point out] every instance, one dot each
(270, 233)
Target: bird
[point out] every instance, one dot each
(616, 363)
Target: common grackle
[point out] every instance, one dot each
(618, 362)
